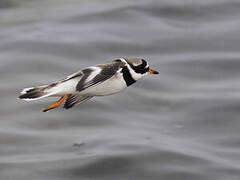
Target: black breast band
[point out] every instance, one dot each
(127, 76)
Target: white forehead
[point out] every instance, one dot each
(147, 66)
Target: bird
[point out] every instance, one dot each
(99, 80)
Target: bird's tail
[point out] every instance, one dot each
(35, 93)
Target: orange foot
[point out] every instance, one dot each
(56, 104)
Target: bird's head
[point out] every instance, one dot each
(139, 67)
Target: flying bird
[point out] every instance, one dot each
(99, 80)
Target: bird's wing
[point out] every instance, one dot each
(75, 99)
(95, 75)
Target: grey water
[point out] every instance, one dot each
(182, 124)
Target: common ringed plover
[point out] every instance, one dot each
(99, 80)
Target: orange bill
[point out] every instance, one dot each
(56, 104)
(153, 71)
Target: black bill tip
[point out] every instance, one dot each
(151, 71)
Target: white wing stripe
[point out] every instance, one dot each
(96, 71)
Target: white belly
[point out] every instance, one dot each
(111, 86)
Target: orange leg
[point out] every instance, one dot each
(56, 104)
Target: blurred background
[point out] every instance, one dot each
(182, 124)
